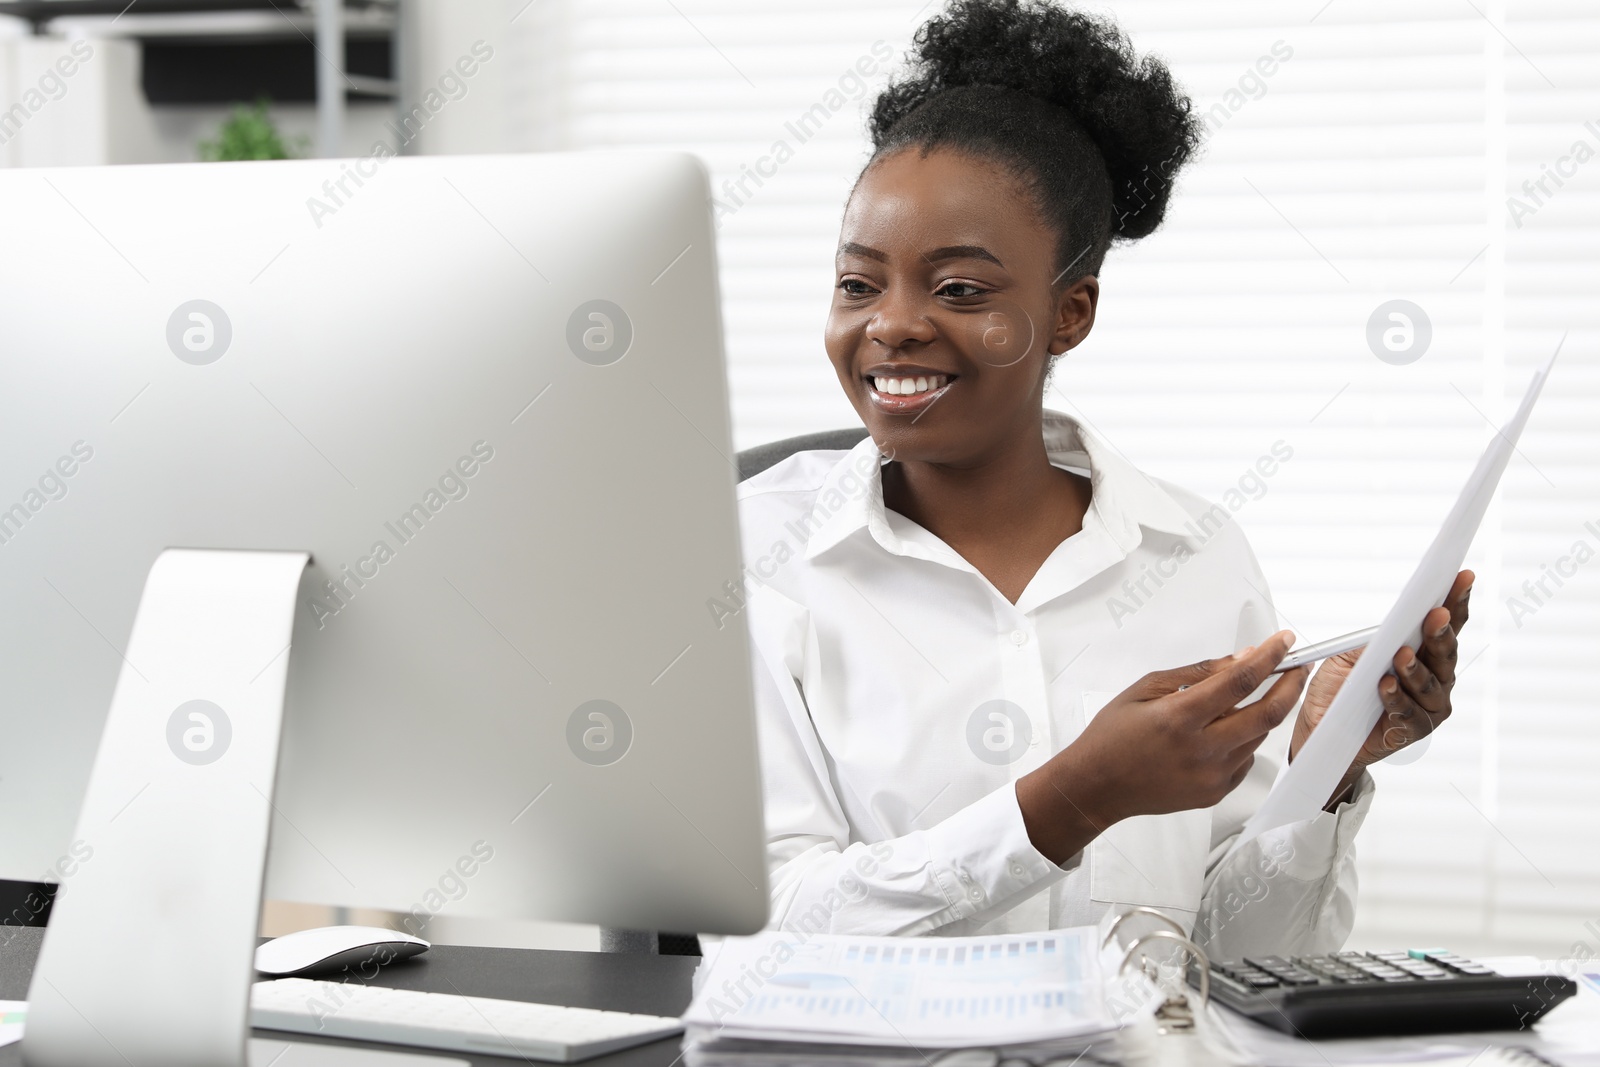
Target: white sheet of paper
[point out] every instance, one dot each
(1305, 787)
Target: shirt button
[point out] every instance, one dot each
(976, 894)
(1016, 869)
(1019, 637)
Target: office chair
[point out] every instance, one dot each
(752, 461)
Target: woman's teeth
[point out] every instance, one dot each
(909, 386)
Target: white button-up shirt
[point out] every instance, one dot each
(900, 696)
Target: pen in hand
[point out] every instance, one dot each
(1304, 657)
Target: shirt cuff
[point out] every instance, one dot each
(1320, 843)
(982, 855)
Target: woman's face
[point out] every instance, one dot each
(944, 315)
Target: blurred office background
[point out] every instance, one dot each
(1359, 152)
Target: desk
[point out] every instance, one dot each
(651, 985)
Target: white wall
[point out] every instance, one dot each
(66, 103)
(448, 39)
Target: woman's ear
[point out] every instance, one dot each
(1074, 314)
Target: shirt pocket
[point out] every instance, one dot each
(1157, 861)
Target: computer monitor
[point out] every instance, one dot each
(487, 396)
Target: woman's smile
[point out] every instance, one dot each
(905, 388)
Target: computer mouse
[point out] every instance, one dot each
(334, 948)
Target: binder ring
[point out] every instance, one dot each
(1193, 949)
(1160, 917)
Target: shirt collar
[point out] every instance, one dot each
(1123, 497)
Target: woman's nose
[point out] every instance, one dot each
(900, 318)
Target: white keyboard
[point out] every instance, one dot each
(445, 1021)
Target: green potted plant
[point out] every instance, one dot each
(250, 133)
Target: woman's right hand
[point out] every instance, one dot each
(1172, 741)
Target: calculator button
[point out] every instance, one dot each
(1331, 968)
(1273, 965)
(1427, 953)
(1251, 977)
(1459, 964)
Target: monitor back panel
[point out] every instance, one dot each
(487, 394)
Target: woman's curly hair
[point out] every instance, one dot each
(1057, 96)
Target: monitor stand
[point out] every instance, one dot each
(149, 955)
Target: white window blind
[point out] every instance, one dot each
(1360, 151)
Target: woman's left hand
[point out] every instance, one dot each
(1416, 698)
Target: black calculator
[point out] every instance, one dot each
(1364, 994)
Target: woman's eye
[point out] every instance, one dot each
(949, 290)
(855, 287)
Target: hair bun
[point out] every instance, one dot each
(1129, 107)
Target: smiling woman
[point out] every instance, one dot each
(1031, 137)
(942, 688)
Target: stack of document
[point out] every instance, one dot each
(783, 998)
